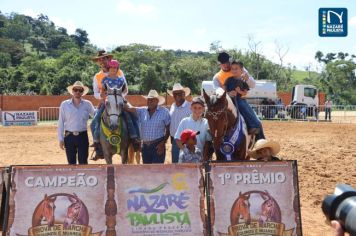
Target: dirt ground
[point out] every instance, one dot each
(325, 153)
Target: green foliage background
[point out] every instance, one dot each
(36, 57)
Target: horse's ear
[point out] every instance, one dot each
(206, 97)
(240, 194)
(223, 97)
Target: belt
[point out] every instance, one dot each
(153, 141)
(75, 133)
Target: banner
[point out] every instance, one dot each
(160, 200)
(59, 200)
(2, 195)
(22, 118)
(255, 198)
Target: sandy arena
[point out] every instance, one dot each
(324, 152)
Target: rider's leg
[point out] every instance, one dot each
(95, 130)
(133, 128)
(253, 124)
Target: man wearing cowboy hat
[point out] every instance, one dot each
(72, 124)
(102, 59)
(265, 150)
(154, 121)
(179, 110)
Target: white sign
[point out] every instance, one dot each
(23, 118)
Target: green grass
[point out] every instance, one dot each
(299, 75)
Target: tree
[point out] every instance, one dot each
(80, 37)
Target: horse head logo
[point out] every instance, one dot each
(45, 211)
(74, 212)
(241, 209)
(270, 211)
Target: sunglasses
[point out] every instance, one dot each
(78, 90)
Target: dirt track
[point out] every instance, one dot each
(323, 151)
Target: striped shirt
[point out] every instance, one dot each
(177, 114)
(153, 127)
(72, 118)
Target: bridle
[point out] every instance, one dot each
(215, 115)
(116, 94)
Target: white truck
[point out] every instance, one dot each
(305, 101)
(304, 98)
(264, 89)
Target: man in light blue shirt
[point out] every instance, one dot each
(72, 124)
(179, 110)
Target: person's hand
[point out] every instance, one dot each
(61, 144)
(338, 230)
(232, 93)
(160, 148)
(245, 76)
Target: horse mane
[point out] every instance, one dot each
(230, 105)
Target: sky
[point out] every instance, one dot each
(290, 25)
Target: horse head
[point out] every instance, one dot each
(114, 106)
(73, 211)
(270, 210)
(241, 209)
(47, 208)
(216, 115)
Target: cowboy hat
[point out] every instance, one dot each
(153, 94)
(78, 84)
(102, 54)
(263, 143)
(179, 87)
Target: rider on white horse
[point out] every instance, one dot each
(113, 80)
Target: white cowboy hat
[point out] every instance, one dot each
(263, 143)
(179, 87)
(153, 94)
(78, 84)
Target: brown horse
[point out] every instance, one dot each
(241, 209)
(44, 211)
(75, 213)
(224, 119)
(270, 211)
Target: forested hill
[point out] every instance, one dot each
(37, 57)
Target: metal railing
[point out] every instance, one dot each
(339, 113)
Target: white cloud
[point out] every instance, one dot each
(67, 23)
(352, 21)
(30, 12)
(59, 22)
(126, 6)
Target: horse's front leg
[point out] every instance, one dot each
(124, 152)
(208, 151)
(106, 151)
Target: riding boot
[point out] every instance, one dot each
(253, 131)
(98, 151)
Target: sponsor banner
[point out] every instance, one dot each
(2, 189)
(160, 200)
(58, 200)
(21, 118)
(255, 198)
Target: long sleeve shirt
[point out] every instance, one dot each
(72, 118)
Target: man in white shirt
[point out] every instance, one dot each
(328, 105)
(72, 124)
(179, 110)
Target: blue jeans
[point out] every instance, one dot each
(149, 153)
(175, 150)
(131, 119)
(250, 117)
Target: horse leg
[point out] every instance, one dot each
(138, 157)
(131, 154)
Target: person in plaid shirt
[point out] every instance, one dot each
(154, 121)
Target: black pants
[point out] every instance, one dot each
(77, 145)
(327, 113)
